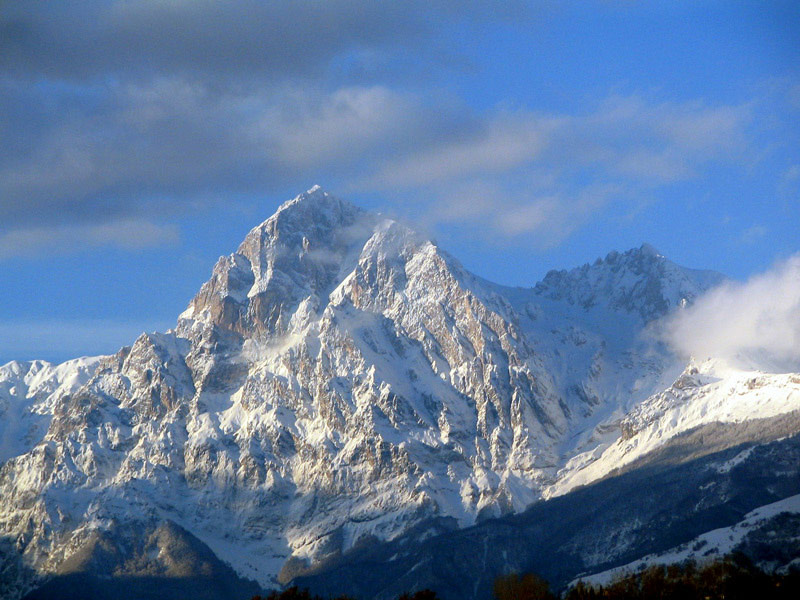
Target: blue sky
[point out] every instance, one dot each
(142, 140)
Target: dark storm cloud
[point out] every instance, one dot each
(112, 111)
(118, 117)
(78, 40)
(164, 145)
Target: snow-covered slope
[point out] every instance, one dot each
(778, 523)
(707, 392)
(595, 330)
(29, 393)
(341, 379)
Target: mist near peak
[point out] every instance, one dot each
(750, 324)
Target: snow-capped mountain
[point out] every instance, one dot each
(29, 393)
(340, 381)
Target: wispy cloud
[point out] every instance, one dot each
(624, 136)
(525, 172)
(497, 145)
(753, 233)
(165, 142)
(509, 211)
(753, 322)
(127, 234)
(789, 184)
(114, 110)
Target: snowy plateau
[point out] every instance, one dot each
(341, 383)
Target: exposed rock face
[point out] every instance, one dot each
(338, 380)
(733, 496)
(140, 560)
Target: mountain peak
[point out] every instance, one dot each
(649, 250)
(639, 281)
(340, 380)
(646, 252)
(314, 199)
(314, 215)
(316, 194)
(303, 250)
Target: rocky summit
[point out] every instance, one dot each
(341, 383)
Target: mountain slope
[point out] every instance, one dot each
(707, 392)
(671, 499)
(29, 391)
(153, 561)
(768, 535)
(341, 381)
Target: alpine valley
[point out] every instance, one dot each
(344, 406)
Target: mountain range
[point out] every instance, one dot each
(343, 405)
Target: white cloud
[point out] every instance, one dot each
(522, 172)
(127, 234)
(503, 143)
(625, 136)
(350, 124)
(686, 125)
(654, 143)
(503, 211)
(754, 322)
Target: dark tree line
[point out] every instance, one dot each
(294, 593)
(732, 578)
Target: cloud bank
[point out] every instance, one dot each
(128, 150)
(90, 39)
(752, 323)
(123, 111)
